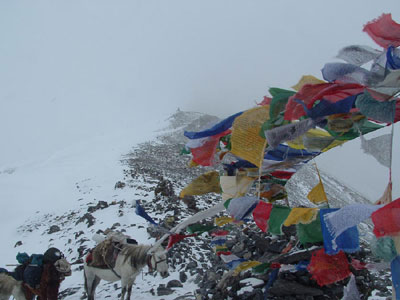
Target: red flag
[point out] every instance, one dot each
(174, 238)
(282, 174)
(261, 215)
(387, 219)
(327, 269)
(310, 93)
(384, 31)
(220, 233)
(204, 155)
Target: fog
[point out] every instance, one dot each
(70, 70)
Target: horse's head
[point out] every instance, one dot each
(158, 261)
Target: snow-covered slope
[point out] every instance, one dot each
(72, 195)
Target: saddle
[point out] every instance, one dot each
(104, 255)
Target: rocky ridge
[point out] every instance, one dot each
(155, 172)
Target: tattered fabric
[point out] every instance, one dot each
(216, 129)
(288, 132)
(387, 219)
(393, 58)
(235, 186)
(204, 155)
(245, 266)
(261, 215)
(381, 111)
(379, 147)
(240, 207)
(175, 238)
(317, 195)
(306, 79)
(350, 291)
(348, 216)
(141, 212)
(310, 233)
(205, 183)
(384, 248)
(347, 241)
(310, 93)
(358, 55)
(346, 73)
(327, 269)
(199, 228)
(384, 31)
(277, 217)
(301, 215)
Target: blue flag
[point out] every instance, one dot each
(140, 212)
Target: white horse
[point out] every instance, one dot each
(10, 287)
(128, 265)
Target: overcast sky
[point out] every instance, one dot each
(73, 69)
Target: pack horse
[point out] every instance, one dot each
(128, 264)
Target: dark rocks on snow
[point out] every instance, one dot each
(53, 229)
(99, 205)
(17, 244)
(174, 284)
(162, 290)
(90, 220)
(119, 185)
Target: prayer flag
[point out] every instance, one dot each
(246, 141)
(216, 129)
(175, 238)
(307, 79)
(240, 207)
(276, 219)
(387, 219)
(395, 266)
(381, 111)
(205, 183)
(261, 215)
(141, 212)
(358, 55)
(245, 266)
(384, 31)
(327, 269)
(317, 194)
(310, 233)
(347, 241)
(301, 215)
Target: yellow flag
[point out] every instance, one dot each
(246, 140)
(205, 183)
(317, 194)
(245, 266)
(321, 137)
(301, 215)
(306, 79)
(221, 221)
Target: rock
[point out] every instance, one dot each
(87, 217)
(119, 185)
(182, 276)
(53, 229)
(192, 265)
(99, 205)
(163, 291)
(174, 283)
(283, 287)
(17, 244)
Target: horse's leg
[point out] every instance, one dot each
(127, 286)
(129, 292)
(91, 282)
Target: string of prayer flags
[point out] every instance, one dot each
(310, 233)
(393, 58)
(175, 238)
(139, 210)
(384, 31)
(387, 219)
(327, 269)
(214, 130)
(246, 141)
(301, 215)
(347, 241)
(261, 214)
(348, 216)
(240, 207)
(205, 183)
(278, 215)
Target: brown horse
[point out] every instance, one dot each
(49, 285)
